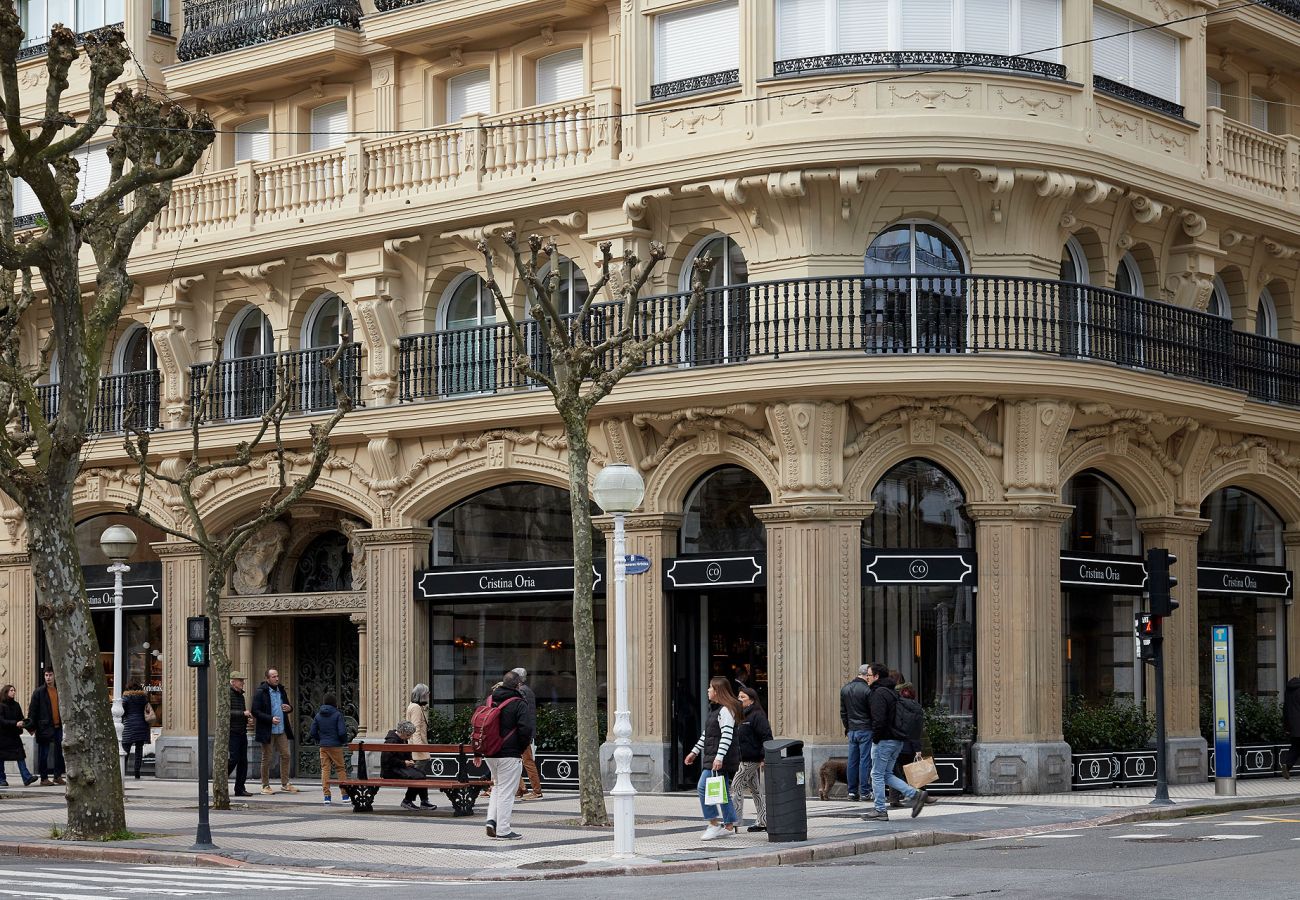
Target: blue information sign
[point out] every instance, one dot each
(1225, 751)
(634, 564)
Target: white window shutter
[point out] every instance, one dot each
(1110, 55)
(1040, 29)
(988, 26)
(253, 140)
(1155, 63)
(95, 171)
(803, 28)
(697, 41)
(25, 202)
(927, 25)
(329, 125)
(469, 94)
(862, 26)
(1213, 92)
(1258, 112)
(559, 77)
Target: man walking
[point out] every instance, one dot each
(505, 764)
(856, 716)
(886, 745)
(529, 764)
(43, 711)
(271, 708)
(240, 717)
(1291, 721)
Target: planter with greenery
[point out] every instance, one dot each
(1109, 743)
(1260, 735)
(948, 738)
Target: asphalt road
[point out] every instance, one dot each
(1252, 854)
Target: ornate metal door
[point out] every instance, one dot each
(327, 650)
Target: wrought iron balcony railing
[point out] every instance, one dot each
(1138, 97)
(129, 399)
(910, 314)
(920, 59)
(31, 51)
(246, 388)
(219, 26)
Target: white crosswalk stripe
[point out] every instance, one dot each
(1228, 837)
(1137, 837)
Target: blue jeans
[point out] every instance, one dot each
(22, 772)
(859, 767)
(50, 756)
(726, 811)
(883, 757)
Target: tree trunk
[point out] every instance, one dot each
(221, 664)
(591, 791)
(90, 742)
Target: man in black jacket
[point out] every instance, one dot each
(886, 745)
(857, 726)
(271, 708)
(47, 725)
(240, 717)
(506, 764)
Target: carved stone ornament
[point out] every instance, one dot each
(257, 558)
(347, 602)
(350, 527)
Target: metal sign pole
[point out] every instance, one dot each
(1162, 746)
(1225, 731)
(203, 838)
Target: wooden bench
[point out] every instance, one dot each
(462, 786)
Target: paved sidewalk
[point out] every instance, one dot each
(296, 830)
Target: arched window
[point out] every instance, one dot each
(719, 332)
(719, 516)
(129, 398)
(324, 565)
(329, 323)
(918, 505)
(1074, 302)
(1128, 277)
(915, 296)
(1074, 262)
(135, 353)
(517, 522)
(247, 385)
(249, 335)
(573, 284)
(1103, 520)
(1219, 304)
(1266, 315)
(467, 345)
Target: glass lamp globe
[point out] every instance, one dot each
(117, 542)
(619, 488)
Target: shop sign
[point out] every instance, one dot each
(1253, 581)
(134, 596)
(741, 570)
(1116, 574)
(919, 567)
(499, 581)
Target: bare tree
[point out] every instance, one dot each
(153, 143)
(583, 370)
(181, 477)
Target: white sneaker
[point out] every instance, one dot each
(712, 832)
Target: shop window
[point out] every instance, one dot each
(253, 140)
(560, 77)
(518, 522)
(1131, 53)
(702, 40)
(469, 94)
(718, 515)
(719, 330)
(915, 297)
(324, 565)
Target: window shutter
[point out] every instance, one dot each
(25, 202)
(1258, 112)
(329, 125)
(927, 25)
(862, 25)
(1155, 63)
(253, 140)
(95, 171)
(988, 26)
(1110, 56)
(469, 94)
(803, 28)
(1213, 92)
(559, 77)
(697, 41)
(1040, 28)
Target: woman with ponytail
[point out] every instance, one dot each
(719, 755)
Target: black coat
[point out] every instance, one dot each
(11, 731)
(41, 713)
(516, 723)
(751, 733)
(882, 700)
(393, 761)
(238, 721)
(135, 730)
(854, 712)
(1291, 708)
(263, 713)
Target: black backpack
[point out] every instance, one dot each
(909, 720)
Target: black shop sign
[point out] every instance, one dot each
(503, 580)
(718, 571)
(1256, 581)
(1102, 572)
(883, 567)
(141, 587)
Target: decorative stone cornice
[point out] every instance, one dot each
(817, 511)
(15, 559)
(290, 604)
(1172, 525)
(635, 522)
(469, 238)
(1290, 538)
(257, 275)
(167, 549)
(393, 536)
(1020, 512)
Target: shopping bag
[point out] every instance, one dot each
(150, 717)
(715, 790)
(921, 772)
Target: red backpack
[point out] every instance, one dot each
(485, 727)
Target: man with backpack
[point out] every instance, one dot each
(893, 721)
(500, 729)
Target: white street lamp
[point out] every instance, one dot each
(118, 543)
(618, 490)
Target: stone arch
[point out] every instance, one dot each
(302, 306)
(1274, 484)
(1139, 475)
(1234, 282)
(1094, 253)
(951, 451)
(683, 247)
(301, 537)
(230, 309)
(99, 491)
(1148, 269)
(432, 493)
(670, 480)
(226, 500)
(1283, 300)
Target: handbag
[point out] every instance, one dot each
(150, 717)
(715, 790)
(921, 772)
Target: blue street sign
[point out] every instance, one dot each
(635, 565)
(1225, 739)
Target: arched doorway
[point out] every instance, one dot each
(717, 600)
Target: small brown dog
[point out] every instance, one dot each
(833, 770)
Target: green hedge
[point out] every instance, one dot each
(1114, 724)
(947, 734)
(1258, 720)
(557, 727)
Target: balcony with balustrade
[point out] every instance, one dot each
(129, 400)
(232, 390)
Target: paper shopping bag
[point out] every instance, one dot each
(921, 772)
(715, 790)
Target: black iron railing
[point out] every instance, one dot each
(219, 26)
(247, 387)
(927, 59)
(389, 5)
(909, 314)
(1289, 8)
(712, 81)
(1140, 98)
(131, 399)
(1266, 368)
(31, 51)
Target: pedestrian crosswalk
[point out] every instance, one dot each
(68, 882)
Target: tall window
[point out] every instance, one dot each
(1219, 304)
(1132, 54)
(329, 125)
(469, 94)
(1261, 112)
(573, 293)
(1266, 315)
(250, 335)
(719, 331)
(1128, 276)
(718, 516)
(702, 40)
(1213, 92)
(253, 140)
(467, 348)
(247, 385)
(914, 296)
(39, 16)
(133, 390)
(136, 353)
(329, 323)
(560, 77)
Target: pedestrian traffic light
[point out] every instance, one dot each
(1147, 630)
(1160, 583)
(196, 638)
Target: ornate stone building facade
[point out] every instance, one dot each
(1009, 307)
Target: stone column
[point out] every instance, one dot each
(1018, 650)
(649, 663)
(397, 625)
(18, 630)
(814, 619)
(1187, 751)
(184, 585)
(245, 631)
(363, 675)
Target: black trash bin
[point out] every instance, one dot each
(787, 797)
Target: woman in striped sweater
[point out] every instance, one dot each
(719, 755)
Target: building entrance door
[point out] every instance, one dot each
(713, 633)
(327, 650)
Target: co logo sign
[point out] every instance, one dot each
(918, 568)
(713, 572)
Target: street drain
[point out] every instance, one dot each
(552, 864)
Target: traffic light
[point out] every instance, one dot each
(1147, 630)
(196, 638)
(1160, 583)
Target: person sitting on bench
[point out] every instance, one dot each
(395, 764)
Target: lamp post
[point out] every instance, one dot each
(118, 543)
(618, 490)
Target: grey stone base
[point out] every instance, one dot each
(177, 757)
(1187, 760)
(651, 768)
(1020, 768)
(814, 755)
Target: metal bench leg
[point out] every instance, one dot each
(462, 799)
(362, 797)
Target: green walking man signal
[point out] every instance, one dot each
(196, 636)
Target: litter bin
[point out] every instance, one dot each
(787, 798)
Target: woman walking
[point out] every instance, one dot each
(11, 736)
(719, 756)
(135, 730)
(750, 735)
(417, 715)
